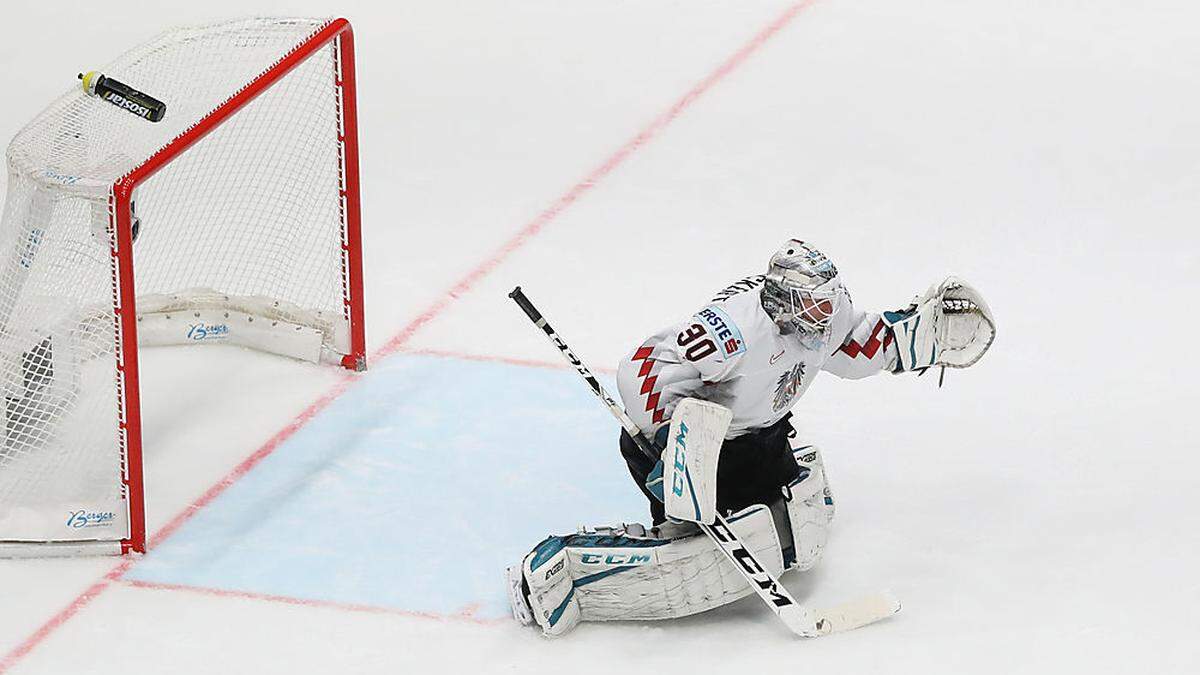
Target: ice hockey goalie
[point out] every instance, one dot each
(751, 352)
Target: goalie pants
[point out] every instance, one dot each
(753, 468)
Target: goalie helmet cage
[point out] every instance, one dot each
(235, 219)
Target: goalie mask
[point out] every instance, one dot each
(802, 291)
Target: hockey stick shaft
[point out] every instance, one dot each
(518, 296)
(765, 584)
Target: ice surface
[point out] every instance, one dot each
(412, 478)
(1038, 514)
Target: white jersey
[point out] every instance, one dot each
(732, 353)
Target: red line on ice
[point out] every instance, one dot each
(467, 613)
(64, 615)
(599, 173)
(250, 462)
(552, 365)
(400, 339)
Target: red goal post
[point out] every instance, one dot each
(243, 205)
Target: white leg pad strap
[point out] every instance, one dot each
(627, 573)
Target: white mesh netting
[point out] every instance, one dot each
(246, 224)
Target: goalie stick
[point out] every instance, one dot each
(800, 620)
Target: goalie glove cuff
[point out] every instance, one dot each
(914, 330)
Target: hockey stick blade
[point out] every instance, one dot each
(802, 621)
(855, 614)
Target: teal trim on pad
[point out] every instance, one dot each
(583, 581)
(562, 607)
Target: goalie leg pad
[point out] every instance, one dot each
(629, 573)
(810, 509)
(690, 460)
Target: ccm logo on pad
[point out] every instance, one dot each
(614, 559)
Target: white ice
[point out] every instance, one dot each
(1037, 514)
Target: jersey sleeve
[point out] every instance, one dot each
(869, 348)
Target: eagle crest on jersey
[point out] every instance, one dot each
(789, 383)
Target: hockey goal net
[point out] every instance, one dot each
(234, 219)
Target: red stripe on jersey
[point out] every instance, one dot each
(652, 402)
(648, 385)
(645, 369)
(872, 345)
(643, 355)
